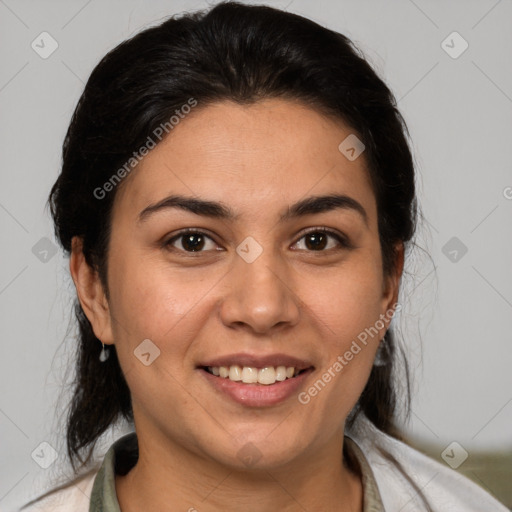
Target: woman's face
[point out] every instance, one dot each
(253, 290)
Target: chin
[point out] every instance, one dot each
(259, 452)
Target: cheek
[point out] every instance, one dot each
(149, 302)
(347, 308)
(149, 299)
(347, 313)
(348, 300)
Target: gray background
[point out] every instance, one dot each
(457, 314)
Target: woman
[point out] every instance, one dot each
(237, 197)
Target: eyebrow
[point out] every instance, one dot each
(218, 210)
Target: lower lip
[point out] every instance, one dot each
(257, 395)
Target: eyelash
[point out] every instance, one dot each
(342, 240)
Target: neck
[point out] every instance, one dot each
(169, 477)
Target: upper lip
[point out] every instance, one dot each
(255, 361)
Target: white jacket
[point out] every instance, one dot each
(444, 488)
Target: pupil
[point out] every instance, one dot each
(316, 238)
(188, 242)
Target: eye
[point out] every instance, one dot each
(317, 240)
(191, 241)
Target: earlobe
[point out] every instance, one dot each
(393, 280)
(90, 293)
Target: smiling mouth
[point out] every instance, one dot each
(266, 376)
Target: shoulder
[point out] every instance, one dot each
(403, 473)
(96, 487)
(72, 497)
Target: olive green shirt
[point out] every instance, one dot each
(123, 454)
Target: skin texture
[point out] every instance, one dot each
(293, 299)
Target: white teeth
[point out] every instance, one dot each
(267, 375)
(281, 373)
(251, 375)
(235, 373)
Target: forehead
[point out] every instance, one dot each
(271, 151)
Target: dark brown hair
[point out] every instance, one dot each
(230, 52)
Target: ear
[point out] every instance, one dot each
(392, 281)
(90, 293)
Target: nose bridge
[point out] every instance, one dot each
(259, 294)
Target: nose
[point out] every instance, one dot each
(260, 295)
